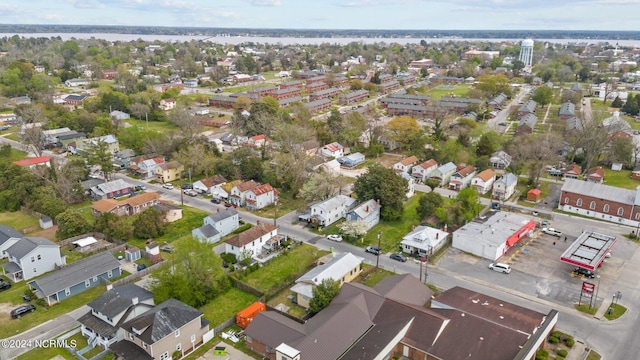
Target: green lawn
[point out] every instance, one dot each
(620, 179)
(458, 90)
(617, 310)
(284, 268)
(17, 154)
(19, 220)
(84, 208)
(286, 204)
(160, 126)
(374, 276)
(227, 305)
(41, 315)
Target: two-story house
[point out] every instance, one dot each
(327, 212)
(170, 171)
(405, 164)
(158, 333)
(8, 237)
(110, 310)
(504, 187)
(367, 212)
(500, 160)
(113, 146)
(341, 268)
(334, 150)
(253, 242)
(167, 104)
(217, 225)
(421, 172)
(483, 181)
(145, 167)
(32, 256)
(443, 173)
(261, 196)
(462, 177)
(239, 192)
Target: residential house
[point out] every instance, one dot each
(318, 105)
(76, 278)
(8, 237)
(411, 183)
(423, 241)
(526, 124)
(113, 189)
(596, 175)
(353, 97)
(128, 207)
(122, 159)
(169, 171)
(167, 104)
(340, 268)
(77, 82)
(352, 160)
(325, 213)
(254, 243)
(34, 161)
(443, 173)
(567, 110)
(403, 326)
(483, 181)
(75, 100)
(30, 257)
(635, 174)
(529, 107)
(145, 167)
(500, 160)
(89, 183)
(331, 167)
(574, 124)
(498, 101)
(422, 171)
(217, 225)
(334, 150)
(258, 141)
(405, 164)
(462, 177)
(367, 212)
(158, 333)
(222, 192)
(504, 187)
(206, 185)
(572, 171)
(118, 115)
(239, 192)
(110, 310)
(261, 196)
(109, 74)
(113, 147)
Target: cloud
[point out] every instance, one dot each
(371, 3)
(86, 4)
(270, 3)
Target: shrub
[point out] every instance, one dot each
(542, 354)
(557, 334)
(569, 342)
(553, 339)
(562, 353)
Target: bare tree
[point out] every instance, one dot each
(139, 110)
(187, 123)
(534, 151)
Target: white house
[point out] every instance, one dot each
(405, 164)
(500, 160)
(167, 104)
(443, 173)
(8, 237)
(423, 241)
(483, 181)
(217, 225)
(261, 196)
(30, 257)
(206, 185)
(411, 184)
(254, 242)
(421, 172)
(239, 192)
(504, 187)
(119, 115)
(334, 150)
(331, 210)
(368, 212)
(77, 82)
(462, 178)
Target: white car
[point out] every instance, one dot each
(552, 231)
(168, 186)
(500, 267)
(334, 237)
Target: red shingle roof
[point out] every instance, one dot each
(248, 236)
(33, 161)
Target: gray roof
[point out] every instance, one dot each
(76, 273)
(89, 183)
(224, 214)
(317, 102)
(529, 120)
(7, 232)
(508, 179)
(208, 230)
(361, 210)
(326, 91)
(529, 106)
(112, 186)
(162, 320)
(11, 267)
(576, 87)
(599, 191)
(574, 123)
(447, 168)
(119, 299)
(287, 101)
(567, 109)
(353, 94)
(335, 202)
(26, 245)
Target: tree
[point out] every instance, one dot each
(621, 150)
(71, 223)
(617, 102)
(193, 275)
(543, 95)
(493, 85)
(323, 294)
(428, 203)
(149, 224)
(534, 152)
(335, 122)
(383, 184)
(188, 124)
(319, 186)
(355, 229)
(98, 154)
(403, 129)
(113, 226)
(488, 144)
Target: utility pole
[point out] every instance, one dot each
(378, 253)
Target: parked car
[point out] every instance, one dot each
(168, 186)
(373, 250)
(191, 192)
(551, 231)
(578, 271)
(334, 237)
(5, 285)
(140, 187)
(228, 204)
(187, 186)
(21, 310)
(398, 257)
(215, 201)
(167, 248)
(500, 267)
(141, 267)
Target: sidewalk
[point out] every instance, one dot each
(578, 351)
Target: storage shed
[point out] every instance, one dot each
(533, 195)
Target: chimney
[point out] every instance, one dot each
(367, 209)
(378, 202)
(437, 236)
(257, 222)
(134, 300)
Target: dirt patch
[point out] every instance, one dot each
(387, 160)
(5, 309)
(49, 233)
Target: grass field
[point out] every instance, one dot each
(227, 305)
(620, 179)
(160, 126)
(458, 90)
(19, 220)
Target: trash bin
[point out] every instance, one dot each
(220, 350)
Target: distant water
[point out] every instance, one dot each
(235, 40)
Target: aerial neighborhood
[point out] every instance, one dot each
(316, 201)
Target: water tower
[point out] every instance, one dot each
(526, 54)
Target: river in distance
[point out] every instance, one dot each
(236, 40)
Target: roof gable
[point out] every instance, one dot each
(250, 235)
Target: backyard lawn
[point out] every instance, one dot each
(227, 305)
(19, 220)
(445, 90)
(620, 178)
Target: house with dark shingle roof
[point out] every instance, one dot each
(254, 242)
(567, 110)
(217, 225)
(529, 107)
(526, 125)
(367, 212)
(76, 278)
(110, 310)
(391, 320)
(158, 333)
(32, 256)
(8, 237)
(261, 196)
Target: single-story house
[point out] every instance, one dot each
(206, 185)
(352, 160)
(127, 207)
(423, 241)
(113, 189)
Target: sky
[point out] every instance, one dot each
(333, 14)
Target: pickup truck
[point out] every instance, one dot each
(551, 231)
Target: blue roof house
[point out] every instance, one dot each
(351, 160)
